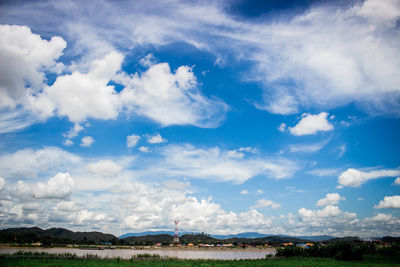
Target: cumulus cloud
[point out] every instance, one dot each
(60, 186)
(329, 220)
(330, 199)
(23, 56)
(156, 139)
(29, 163)
(127, 202)
(170, 97)
(131, 140)
(166, 97)
(392, 202)
(355, 178)
(24, 59)
(301, 64)
(311, 124)
(265, 203)
(79, 96)
(195, 214)
(106, 168)
(87, 141)
(214, 163)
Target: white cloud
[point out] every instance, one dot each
(68, 142)
(129, 203)
(144, 149)
(331, 70)
(380, 13)
(328, 211)
(311, 124)
(80, 96)
(170, 98)
(392, 202)
(66, 206)
(214, 163)
(324, 172)
(23, 58)
(355, 178)
(234, 154)
(327, 70)
(244, 192)
(156, 139)
(282, 127)
(342, 150)
(330, 199)
(28, 163)
(265, 203)
(2, 183)
(397, 181)
(131, 140)
(249, 150)
(148, 61)
(106, 168)
(73, 132)
(60, 186)
(307, 148)
(87, 141)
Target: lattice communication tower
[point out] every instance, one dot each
(176, 236)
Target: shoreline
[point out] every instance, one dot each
(93, 247)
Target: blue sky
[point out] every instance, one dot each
(280, 117)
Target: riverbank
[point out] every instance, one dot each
(20, 261)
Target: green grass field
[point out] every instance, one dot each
(287, 262)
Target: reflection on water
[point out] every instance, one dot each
(127, 253)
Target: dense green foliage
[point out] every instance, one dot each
(347, 251)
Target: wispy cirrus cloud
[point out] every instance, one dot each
(301, 64)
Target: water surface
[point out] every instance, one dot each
(128, 253)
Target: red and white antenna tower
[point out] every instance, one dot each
(176, 236)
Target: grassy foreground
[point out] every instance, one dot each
(85, 262)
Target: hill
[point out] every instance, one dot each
(52, 236)
(239, 235)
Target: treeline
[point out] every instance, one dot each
(54, 236)
(347, 251)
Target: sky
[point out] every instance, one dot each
(277, 117)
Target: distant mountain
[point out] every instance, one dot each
(202, 238)
(146, 233)
(155, 233)
(240, 235)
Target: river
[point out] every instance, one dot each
(128, 253)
